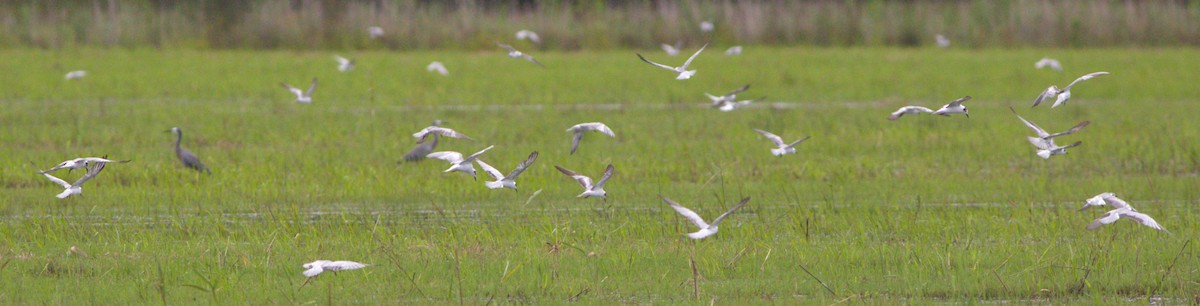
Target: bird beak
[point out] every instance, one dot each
(966, 114)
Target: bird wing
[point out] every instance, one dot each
(905, 109)
(343, 265)
(774, 138)
(656, 64)
(1076, 144)
(1144, 219)
(1108, 218)
(56, 180)
(313, 271)
(93, 172)
(608, 173)
(490, 170)
(687, 213)
(440, 131)
(583, 180)
(1036, 129)
(1073, 129)
(794, 143)
(311, 88)
(689, 61)
(341, 60)
(575, 141)
(716, 100)
(958, 102)
(670, 50)
(738, 91)
(295, 91)
(1084, 78)
(507, 47)
(477, 154)
(521, 167)
(603, 129)
(730, 212)
(1112, 199)
(1041, 143)
(450, 156)
(1046, 94)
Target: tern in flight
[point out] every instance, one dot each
(942, 41)
(317, 267)
(955, 107)
(781, 148)
(579, 129)
(301, 96)
(424, 148)
(344, 64)
(75, 75)
(706, 229)
(457, 162)
(82, 162)
(77, 187)
(375, 32)
(438, 67)
(672, 50)
(684, 74)
(424, 133)
(1121, 210)
(717, 101)
(513, 53)
(590, 190)
(530, 35)
(1045, 141)
(1048, 62)
(732, 105)
(1063, 94)
(909, 110)
(506, 181)
(735, 50)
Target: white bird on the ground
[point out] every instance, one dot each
(530, 35)
(1048, 62)
(579, 129)
(1045, 141)
(344, 64)
(77, 187)
(301, 96)
(735, 50)
(457, 162)
(955, 107)
(706, 229)
(374, 32)
(707, 26)
(909, 110)
(681, 70)
(510, 180)
(717, 101)
(82, 162)
(75, 75)
(590, 190)
(425, 132)
(1123, 210)
(317, 267)
(781, 148)
(513, 53)
(942, 41)
(672, 50)
(438, 67)
(733, 105)
(1064, 94)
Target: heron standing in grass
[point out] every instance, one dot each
(186, 157)
(424, 148)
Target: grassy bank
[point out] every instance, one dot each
(920, 209)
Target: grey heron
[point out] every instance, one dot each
(187, 157)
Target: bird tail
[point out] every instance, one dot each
(494, 185)
(1045, 154)
(66, 193)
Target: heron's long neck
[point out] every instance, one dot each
(178, 138)
(435, 139)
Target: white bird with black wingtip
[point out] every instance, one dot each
(1045, 141)
(301, 96)
(580, 129)
(955, 107)
(514, 53)
(706, 229)
(506, 181)
(781, 148)
(684, 74)
(590, 190)
(1122, 211)
(458, 162)
(1064, 94)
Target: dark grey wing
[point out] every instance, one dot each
(524, 165)
(738, 91)
(191, 161)
(1073, 129)
(608, 173)
(93, 172)
(794, 143)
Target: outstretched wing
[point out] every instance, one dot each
(794, 143)
(295, 91)
(1108, 218)
(730, 212)
(450, 156)
(311, 88)
(477, 154)
(1112, 199)
(906, 109)
(958, 102)
(521, 167)
(93, 172)
(1046, 94)
(738, 91)
(490, 170)
(507, 47)
(583, 180)
(1144, 219)
(56, 180)
(608, 173)
(531, 59)
(689, 61)
(1084, 78)
(575, 141)
(1036, 129)
(687, 213)
(343, 265)
(656, 64)
(774, 138)
(1073, 129)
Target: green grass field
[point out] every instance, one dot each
(921, 209)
